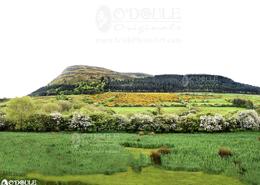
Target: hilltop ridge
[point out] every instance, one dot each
(79, 73)
(82, 79)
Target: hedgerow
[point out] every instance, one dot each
(249, 120)
(146, 123)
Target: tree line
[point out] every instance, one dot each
(159, 83)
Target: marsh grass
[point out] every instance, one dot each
(60, 154)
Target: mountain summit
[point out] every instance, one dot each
(81, 79)
(82, 73)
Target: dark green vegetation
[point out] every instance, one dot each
(243, 103)
(87, 80)
(80, 157)
(181, 83)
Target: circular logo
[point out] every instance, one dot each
(185, 81)
(4, 182)
(103, 18)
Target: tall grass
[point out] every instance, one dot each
(80, 154)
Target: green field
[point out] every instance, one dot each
(102, 159)
(176, 110)
(124, 159)
(128, 103)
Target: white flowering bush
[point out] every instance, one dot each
(212, 123)
(104, 122)
(56, 117)
(81, 123)
(56, 121)
(140, 122)
(249, 120)
(188, 123)
(2, 122)
(122, 122)
(231, 123)
(165, 123)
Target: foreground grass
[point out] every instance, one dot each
(149, 176)
(68, 157)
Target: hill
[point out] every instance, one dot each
(89, 80)
(81, 73)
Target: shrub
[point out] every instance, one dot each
(81, 123)
(165, 123)
(156, 158)
(45, 123)
(57, 122)
(140, 122)
(230, 124)
(164, 150)
(249, 120)
(115, 122)
(36, 123)
(4, 124)
(224, 152)
(104, 122)
(188, 123)
(258, 111)
(64, 106)
(50, 108)
(212, 123)
(18, 110)
(121, 122)
(243, 103)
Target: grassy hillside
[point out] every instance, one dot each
(80, 73)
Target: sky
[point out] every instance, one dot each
(39, 39)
